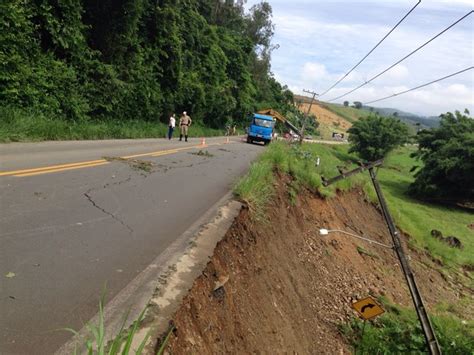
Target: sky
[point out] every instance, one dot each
(321, 40)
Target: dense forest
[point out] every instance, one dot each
(137, 59)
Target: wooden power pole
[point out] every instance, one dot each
(426, 326)
(307, 113)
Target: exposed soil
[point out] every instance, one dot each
(277, 286)
(326, 117)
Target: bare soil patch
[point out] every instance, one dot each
(327, 117)
(277, 286)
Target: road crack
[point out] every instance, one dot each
(91, 200)
(117, 183)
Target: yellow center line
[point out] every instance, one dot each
(61, 169)
(166, 152)
(92, 163)
(52, 167)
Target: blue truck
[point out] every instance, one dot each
(263, 124)
(261, 129)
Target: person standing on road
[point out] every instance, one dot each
(171, 126)
(184, 124)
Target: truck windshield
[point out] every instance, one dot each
(263, 123)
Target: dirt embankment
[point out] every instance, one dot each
(277, 286)
(327, 117)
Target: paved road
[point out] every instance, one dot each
(72, 221)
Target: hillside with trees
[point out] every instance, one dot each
(137, 60)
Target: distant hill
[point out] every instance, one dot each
(424, 121)
(352, 114)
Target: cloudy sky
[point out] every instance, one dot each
(320, 40)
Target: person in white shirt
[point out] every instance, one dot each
(171, 126)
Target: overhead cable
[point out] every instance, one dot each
(405, 57)
(421, 86)
(360, 61)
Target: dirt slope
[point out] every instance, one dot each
(328, 121)
(285, 289)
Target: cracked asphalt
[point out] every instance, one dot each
(65, 235)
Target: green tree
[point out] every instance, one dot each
(372, 138)
(138, 59)
(357, 104)
(447, 153)
(346, 103)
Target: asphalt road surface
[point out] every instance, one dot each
(76, 216)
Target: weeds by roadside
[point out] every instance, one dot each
(22, 126)
(299, 162)
(120, 344)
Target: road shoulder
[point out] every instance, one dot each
(163, 284)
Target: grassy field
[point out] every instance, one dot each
(417, 218)
(22, 126)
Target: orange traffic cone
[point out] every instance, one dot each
(203, 141)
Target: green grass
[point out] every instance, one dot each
(120, 344)
(299, 162)
(417, 218)
(398, 332)
(20, 126)
(256, 188)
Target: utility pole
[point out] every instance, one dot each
(307, 113)
(425, 323)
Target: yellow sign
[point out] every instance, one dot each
(368, 308)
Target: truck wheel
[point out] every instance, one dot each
(249, 140)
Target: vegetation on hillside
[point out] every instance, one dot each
(350, 114)
(130, 60)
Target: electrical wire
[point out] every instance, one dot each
(383, 39)
(421, 86)
(405, 57)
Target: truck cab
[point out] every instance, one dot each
(261, 129)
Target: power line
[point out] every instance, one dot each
(421, 86)
(405, 57)
(355, 66)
